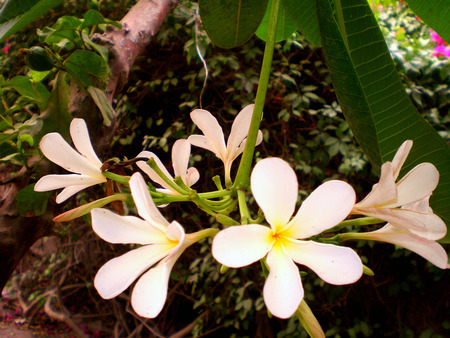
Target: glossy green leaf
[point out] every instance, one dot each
(230, 23)
(87, 67)
(303, 14)
(19, 14)
(373, 99)
(285, 26)
(435, 13)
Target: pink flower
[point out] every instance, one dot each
(435, 37)
(442, 50)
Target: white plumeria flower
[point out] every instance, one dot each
(83, 162)
(428, 249)
(162, 243)
(387, 196)
(181, 151)
(214, 140)
(275, 188)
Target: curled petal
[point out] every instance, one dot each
(144, 203)
(275, 188)
(118, 229)
(192, 176)
(426, 225)
(57, 150)
(430, 250)
(181, 151)
(400, 157)
(239, 130)
(150, 291)
(118, 273)
(416, 184)
(327, 205)
(81, 140)
(334, 264)
(383, 192)
(211, 129)
(238, 246)
(241, 147)
(283, 290)
(150, 172)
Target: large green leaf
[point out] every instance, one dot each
(435, 13)
(230, 23)
(88, 68)
(372, 95)
(16, 14)
(303, 14)
(285, 26)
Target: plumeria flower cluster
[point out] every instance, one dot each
(285, 245)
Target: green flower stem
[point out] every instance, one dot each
(215, 194)
(243, 208)
(243, 174)
(151, 162)
(356, 222)
(196, 236)
(117, 178)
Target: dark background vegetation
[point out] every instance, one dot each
(303, 124)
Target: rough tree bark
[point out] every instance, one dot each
(18, 233)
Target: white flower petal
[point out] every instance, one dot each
(150, 291)
(52, 182)
(203, 142)
(118, 273)
(283, 290)
(69, 192)
(241, 147)
(241, 245)
(416, 184)
(430, 250)
(426, 225)
(57, 150)
(275, 188)
(211, 129)
(400, 157)
(150, 172)
(82, 141)
(144, 203)
(118, 229)
(181, 151)
(383, 192)
(239, 130)
(176, 234)
(334, 264)
(327, 206)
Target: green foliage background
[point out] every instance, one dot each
(303, 124)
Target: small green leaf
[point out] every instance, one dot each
(230, 23)
(26, 87)
(285, 25)
(88, 67)
(30, 202)
(93, 17)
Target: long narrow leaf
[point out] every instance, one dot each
(372, 95)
